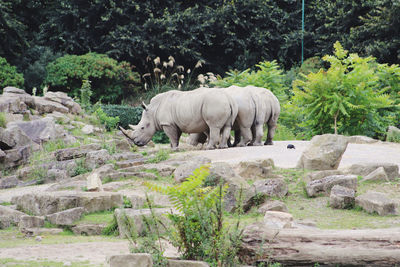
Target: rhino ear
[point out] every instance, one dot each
(144, 106)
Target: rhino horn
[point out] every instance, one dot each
(127, 133)
(133, 127)
(144, 105)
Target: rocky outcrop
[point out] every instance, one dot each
(97, 158)
(27, 222)
(264, 188)
(274, 205)
(9, 182)
(363, 169)
(324, 186)
(256, 169)
(75, 152)
(88, 229)
(65, 100)
(324, 152)
(278, 220)
(66, 217)
(342, 197)
(186, 169)
(377, 202)
(14, 216)
(378, 175)
(46, 203)
(128, 260)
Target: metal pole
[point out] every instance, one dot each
(302, 32)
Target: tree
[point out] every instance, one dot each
(347, 97)
(9, 75)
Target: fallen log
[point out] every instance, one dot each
(306, 247)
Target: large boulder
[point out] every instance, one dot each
(16, 157)
(186, 263)
(324, 152)
(66, 217)
(97, 158)
(317, 175)
(274, 205)
(64, 100)
(342, 197)
(45, 203)
(88, 229)
(377, 202)
(186, 169)
(278, 219)
(93, 182)
(256, 169)
(40, 130)
(15, 100)
(262, 189)
(360, 139)
(9, 182)
(132, 220)
(27, 221)
(13, 215)
(363, 169)
(13, 137)
(45, 106)
(131, 260)
(378, 175)
(325, 185)
(75, 152)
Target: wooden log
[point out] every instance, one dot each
(305, 247)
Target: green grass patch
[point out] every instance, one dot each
(41, 263)
(97, 217)
(3, 121)
(161, 155)
(6, 203)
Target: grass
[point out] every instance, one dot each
(161, 155)
(97, 217)
(11, 237)
(41, 263)
(3, 121)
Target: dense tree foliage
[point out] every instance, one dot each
(225, 34)
(9, 75)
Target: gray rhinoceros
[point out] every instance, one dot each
(256, 107)
(197, 111)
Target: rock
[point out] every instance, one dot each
(129, 163)
(186, 169)
(138, 198)
(27, 221)
(5, 222)
(360, 139)
(378, 175)
(75, 152)
(186, 263)
(126, 156)
(317, 175)
(278, 219)
(13, 90)
(57, 175)
(59, 118)
(2, 154)
(57, 170)
(45, 106)
(256, 169)
(161, 168)
(13, 215)
(263, 188)
(105, 171)
(41, 130)
(38, 238)
(88, 129)
(131, 260)
(377, 202)
(274, 205)
(121, 144)
(66, 217)
(15, 157)
(324, 152)
(342, 197)
(9, 182)
(325, 185)
(94, 182)
(88, 229)
(94, 159)
(13, 137)
(363, 169)
(128, 217)
(65, 100)
(45, 203)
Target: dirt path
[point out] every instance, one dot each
(94, 252)
(287, 158)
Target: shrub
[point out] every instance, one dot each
(345, 99)
(111, 80)
(393, 135)
(108, 121)
(3, 120)
(9, 75)
(86, 93)
(199, 230)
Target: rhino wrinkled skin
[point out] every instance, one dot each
(256, 107)
(197, 111)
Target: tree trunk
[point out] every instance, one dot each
(305, 247)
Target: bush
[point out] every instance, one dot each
(132, 115)
(86, 93)
(9, 75)
(110, 79)
(108, 121)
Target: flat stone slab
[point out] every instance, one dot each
(325, 185)
(66, 217)
(377, 202)
(46, 203)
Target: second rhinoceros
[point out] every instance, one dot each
(197, 111)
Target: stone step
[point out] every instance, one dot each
(129, 163)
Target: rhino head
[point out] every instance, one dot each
(144, 131)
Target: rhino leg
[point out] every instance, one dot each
(245, 134)
(258, 133)
(226, 134)
(271, 132)
(214, 138)
(174, 134)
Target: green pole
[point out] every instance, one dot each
(302, 32)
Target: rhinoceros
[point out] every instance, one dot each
(256, 107)
(201, 110)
